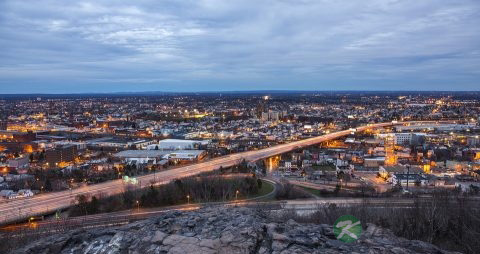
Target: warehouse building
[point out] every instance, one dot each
(177, 144)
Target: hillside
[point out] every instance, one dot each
(222, 230)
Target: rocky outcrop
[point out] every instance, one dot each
(222, 231)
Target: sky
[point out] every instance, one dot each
(54, 46)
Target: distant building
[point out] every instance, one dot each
(141, 156)
(20, 162)
(272, 115)
(177, 144)
(473, 141)
(411, 179)
(405, 138)
(118, 143)
(373, 162)
(158, 156)
(467, 186)
(3, 121)
(186, 155)
(14, 136)
(61, 154)
(343, 167)
(8, 194)
(387, 171)
(25, 193)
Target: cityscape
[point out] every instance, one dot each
(212, 127)
(65, 156)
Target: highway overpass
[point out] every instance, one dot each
(49, 202)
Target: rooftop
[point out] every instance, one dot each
(154, 153)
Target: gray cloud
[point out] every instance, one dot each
(52, 46)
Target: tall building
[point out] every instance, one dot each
(3, 120)
(66, 153)
(272, 115)
(390, 156)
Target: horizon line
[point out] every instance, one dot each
(236, 91)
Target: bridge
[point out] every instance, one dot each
(21, 209)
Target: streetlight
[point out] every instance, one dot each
(236, 194)
(188, 199)
(408, 174)
(138, 206)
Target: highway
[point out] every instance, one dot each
(45, 203)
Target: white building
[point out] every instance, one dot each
(411, 179)
(343, 167)
(402, 138)
(186, 155)
(159, 156)
(25, 193)
(177, 144)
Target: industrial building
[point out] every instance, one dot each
(159, 156)
(177, 144)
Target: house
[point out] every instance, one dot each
(8, 194)
(25, 193)
(411, 179)
(387, 171)
(343, 167)
(373, 162)
(20, 162)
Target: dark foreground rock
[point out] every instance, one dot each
(224, 231)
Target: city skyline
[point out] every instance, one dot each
(200, 46)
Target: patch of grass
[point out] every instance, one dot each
(267, 188)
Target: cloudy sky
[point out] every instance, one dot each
(54, 46)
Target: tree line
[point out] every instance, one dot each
(181, 191)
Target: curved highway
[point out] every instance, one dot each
(44, 203)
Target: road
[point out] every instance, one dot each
(319, 186)
(119, 217)
(128, 216)
(50, 202)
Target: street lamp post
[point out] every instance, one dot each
(188, 199)
(236, 194)
(138, 206)
(408, 174)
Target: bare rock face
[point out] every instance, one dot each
(222, 231)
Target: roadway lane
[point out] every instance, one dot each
(44, 203)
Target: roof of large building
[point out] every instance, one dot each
(141, 153)
(179, 141)
(154, 153)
